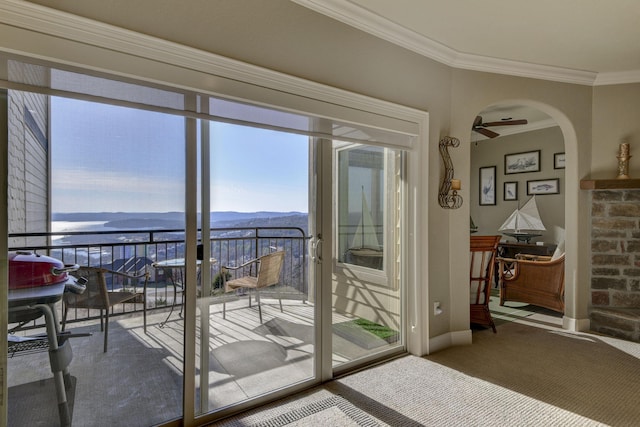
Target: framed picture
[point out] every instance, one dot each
(543, 186)
(558, 161)
(511, 190)
(528, 161)
(488, 185)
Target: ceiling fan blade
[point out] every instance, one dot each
(507, 123)
(486, 132)
(477, 121)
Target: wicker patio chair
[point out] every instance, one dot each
(268, 274)
(97, 296)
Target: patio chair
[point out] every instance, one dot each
(98, 296)
(268, 274)
(483, 260)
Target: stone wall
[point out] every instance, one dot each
(615, 263)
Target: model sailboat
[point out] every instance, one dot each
(365, 246)
(524, 223)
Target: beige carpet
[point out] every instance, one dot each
(528, 374)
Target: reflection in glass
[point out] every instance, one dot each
(366, 287)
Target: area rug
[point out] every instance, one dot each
(41, 395)
(366, 335)
(333, 411)
(529, 374)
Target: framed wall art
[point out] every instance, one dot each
(510, 191)
(528, 161)
(543, 186)
(487, 185)
(558, 161)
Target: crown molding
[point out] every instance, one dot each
(473, 62)
(49, 21)
(617, 78)
(358, 17)
(41, 19)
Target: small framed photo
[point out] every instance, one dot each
(528, 161)
(511, 190)
(543, 186)
(558, 160)
(488, 185)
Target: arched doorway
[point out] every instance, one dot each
(546, 141)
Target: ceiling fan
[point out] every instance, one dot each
(481, 127)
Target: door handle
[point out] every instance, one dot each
(317, 249)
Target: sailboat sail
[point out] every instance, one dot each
(365, 247)
(526, 218)
(365, 235)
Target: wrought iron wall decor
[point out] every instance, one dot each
(448, 196)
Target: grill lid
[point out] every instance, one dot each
(28, 269)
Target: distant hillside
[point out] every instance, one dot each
(290, 220)
(117, 216)
(175, 220)
(239, 216)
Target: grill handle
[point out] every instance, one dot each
(66, 269)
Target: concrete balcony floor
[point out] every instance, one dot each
(138, 381)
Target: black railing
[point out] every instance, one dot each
(136, 251)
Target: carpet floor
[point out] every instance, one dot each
(531, 373)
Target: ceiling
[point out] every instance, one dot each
(589, 42)
(579, 41)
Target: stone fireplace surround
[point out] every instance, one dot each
(615, 257)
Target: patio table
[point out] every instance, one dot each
(178, 264)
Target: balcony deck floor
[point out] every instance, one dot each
(139, 379)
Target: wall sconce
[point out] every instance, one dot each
(448, 196)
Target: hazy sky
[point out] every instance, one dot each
(114, 159)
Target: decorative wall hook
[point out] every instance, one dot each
(448, 196)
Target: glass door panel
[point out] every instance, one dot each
(113, 179)
(255, 333)
(366, 291)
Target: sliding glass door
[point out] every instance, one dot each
(269, 243)
(255, 320)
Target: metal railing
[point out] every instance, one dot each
(136, 251)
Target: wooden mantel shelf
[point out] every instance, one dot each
(609, 184)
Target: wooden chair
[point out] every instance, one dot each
(98, 297)
(533, 279)
(268, 274)
(483, 260)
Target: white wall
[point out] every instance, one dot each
(283, 36)
(491, 152)
(616, 119)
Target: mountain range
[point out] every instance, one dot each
(175, 220)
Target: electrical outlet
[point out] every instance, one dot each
(436, 308)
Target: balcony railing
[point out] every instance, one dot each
(135, 251)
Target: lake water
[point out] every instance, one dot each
(58, 226)
(62, 226)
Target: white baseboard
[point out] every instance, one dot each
(577, 325)
(449, 339)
